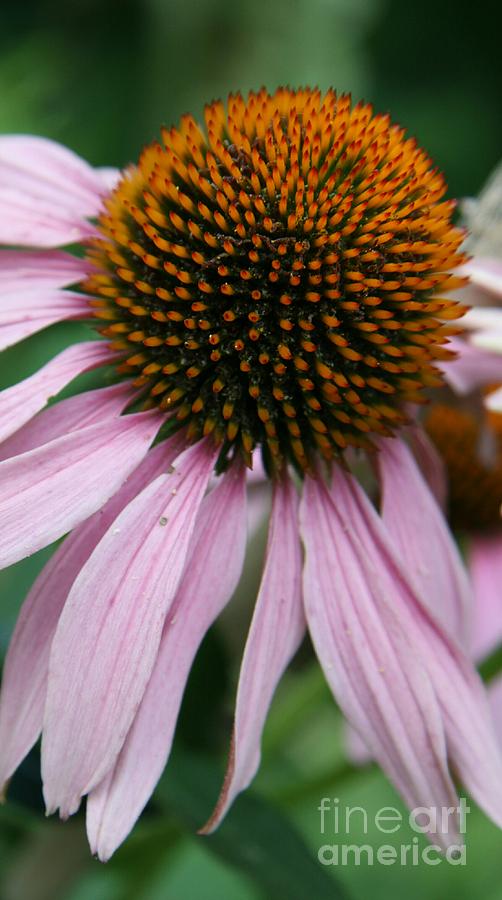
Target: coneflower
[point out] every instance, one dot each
(270, 284)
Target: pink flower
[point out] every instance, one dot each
(470, 448)
(274, 283)
(483, 323)
(485, 566)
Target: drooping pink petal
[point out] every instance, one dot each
(47, 491)
(494, 400)
(430, 463)
(488, 342)
(422, 538)
(47, 193)
(109, 176)
(470, 736)
(23, 313)
(22, 270)
(354, 606)
(485, 326)
(24, 683)
(21, 401)
(276, 631)
(207, 585)
(31, 295)
(355, 747)
(485, 567)
(486, 273)
(257, 475)
(108, 636)
(259, 496)
(483, 318)
(474, 367)
(79, 411)
(495, 701)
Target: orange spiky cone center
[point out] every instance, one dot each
(471, 448)
(278, 277)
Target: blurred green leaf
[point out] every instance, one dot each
(255, 837)
(492, 665)
(297, 697)
(323, 785)
(194, 872)
(17, 817)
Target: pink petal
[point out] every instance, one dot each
(483, 318)
(46, 193)
(355, 747)
(488, 342)
(471, 740)
(257, 475)
(109, 176)
(494, 400)
(109, 632)
(430, 463)
(24, 312)
(277, 629)
(21, 401)
(474, 367)
(485, 273)
(356, 614)
(114, 806)
(71, 414)
(422, 538)
(495, 701)
(40, 269)
(258, 506)
(485, 566)
(26, 666)
(49, 490)
(485, 325)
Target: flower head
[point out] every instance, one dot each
(278, 277)
(274, 282)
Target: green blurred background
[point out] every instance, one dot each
(101, 76)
